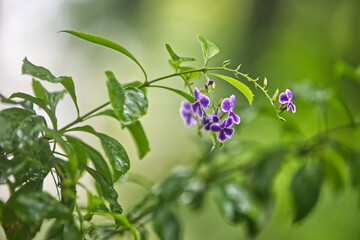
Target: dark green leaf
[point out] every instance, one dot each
(14, 229)
(265, 171)
(139, 136)
(128, 103)
(305, 189)
(96, 158)
(35, 207)
(63, 230)
(106, 43)
(234, 202)
(107, 189)
(44, 74)
(177, 91)
(239, 85)
(38, 102)
(116, 153)
(135, 84)
(10, 119)
(25, 104)
(165, 224)
(209, 49)
(173, 185)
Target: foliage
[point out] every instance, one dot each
(29, 151)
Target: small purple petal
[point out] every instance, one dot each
(289, 93)
(292, 106)
(228, 132)
(221, 137)
(205, 101)
(190, 120)
(197, 94)
(229, 122)
(234, 117)
(283, 98)
(215, 119)
(232, 101)
(194, 107)
(226, 105)
(215, 128)
(211, 82)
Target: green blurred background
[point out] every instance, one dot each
(286, 41)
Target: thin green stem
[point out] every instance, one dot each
(56, 185)
(81, 219)
(81, 118)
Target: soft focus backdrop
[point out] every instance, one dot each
(286, 41)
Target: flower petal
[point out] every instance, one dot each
(215, 128)
(232, 101)
(215, 119)
(289, 93)
(293, 108)
(221, 137)
(228, 132)
(226, 105)
(235, 117)
(197, 94)
(229, 122)
(204, 101)
(207, 127)
(194, 106)
(190, 120)
(283, 98)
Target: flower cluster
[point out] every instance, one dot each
(192, 113)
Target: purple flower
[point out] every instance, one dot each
(200, 101)
(208, 121)
(286, 98)
(228, 105)
(187, 114)
(224, 129)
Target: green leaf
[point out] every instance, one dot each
(25, 104)
(209, 49)
(128, 103)
(40, 91)
(165, 224)
(14, 229)
(239, 85)
(60, 230)
(35, 207)
(142, 144)
(54, 98)
(135, 84)
(116, 153)
(175, 59)
(94, 204)
(171, 188)
(305, 189)
(265, 170)
(96, 158)
(38, 102)
(10, 119)
(107, 189)
(106, 43)
(44, 74)
(236, 205)
(177, 91)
